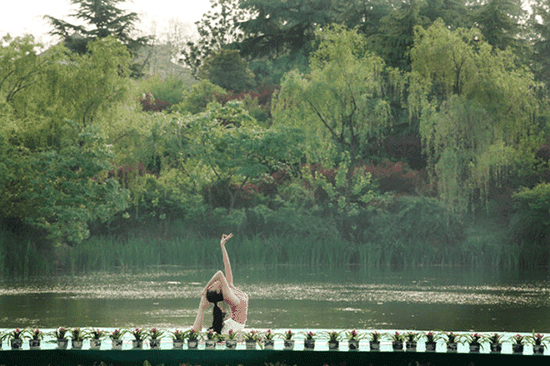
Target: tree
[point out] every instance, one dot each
(62, 191)
(236, 151)
(478, 112)
(342, 96)
(217, 29)
(102, 18)
(540, 26)
(500, 22)
(228, 70)
(280, 27)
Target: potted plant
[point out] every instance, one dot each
(211, 338)
(139, 336)
(178, 337)
(192, 338)
(268, 339)
(353, 340)
(430, 341)
(60, 335)
(538, 341)
(495, 342)
(374, 341)
(288, 342)
(474, 341)
(2, 336)
(77, 338)
(155, 334)
(309, 341)
(452, 342)
(518, 342)
(231, 341)
(35, 338)
(96, 336)
(397, 341)
(411, 339)
(334, 338)
(116, 339)
(251, 338)
(16, 337)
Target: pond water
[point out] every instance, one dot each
(454, 299)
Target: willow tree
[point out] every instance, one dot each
(341, 101)
(477, 109)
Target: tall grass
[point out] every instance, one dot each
(413, 232)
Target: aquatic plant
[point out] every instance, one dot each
(97, 334)
(232, 335)
(36, 334)
(353, 335)
(252, 335)
(178, 335)
(288, 335)
(155, 333)
(78, 335)
(117, 334)
(537, 339)
(60, 333)
(518, 339)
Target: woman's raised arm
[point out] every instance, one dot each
(226, 263)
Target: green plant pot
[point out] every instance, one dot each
(34, 344)
(154, 344)
(353, 345)
(62, 343)
(116, 344)
(95, 344)
(177, 343)
(309, 345)
(333, 345)
(76, 344)
(397, 346)
(210, 344)
(269, 344)
(430, 346)
(374, 346)
(452, 347)
(411, 346)
(137, 344)
(192, 344)
(231, 344)
(250, 344)
(16, 344)
(517, 348)
(288, 344)
(496, 347)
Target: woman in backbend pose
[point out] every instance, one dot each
(221, 288)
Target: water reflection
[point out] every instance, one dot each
(283, 297)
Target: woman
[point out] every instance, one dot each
(221, 288)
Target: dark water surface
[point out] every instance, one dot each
(454, 299)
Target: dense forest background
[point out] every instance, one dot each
(319, 132)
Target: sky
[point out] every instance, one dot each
(26, 16)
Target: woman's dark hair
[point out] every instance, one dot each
(218, 315)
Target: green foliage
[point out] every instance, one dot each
(228, 70)
(102, 18)
(217, 30)
(531, 220)
(476, 112)
(61, 191)
(198, 97)
(342, 96)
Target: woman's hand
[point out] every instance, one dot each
(225, 238)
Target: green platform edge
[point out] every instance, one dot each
(256, 358)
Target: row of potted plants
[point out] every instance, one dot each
(266, 340)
